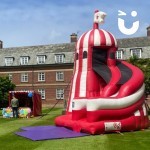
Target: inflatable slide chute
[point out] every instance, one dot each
(106, 94)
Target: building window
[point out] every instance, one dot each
(59, 58)
(59, 76)
(41, 59)
(136, 52)
(41, 76)
(10, 77)
(42, 93)
(59, 93)
(9, 61)
(119, 54)
(24, 60)
(24, 77)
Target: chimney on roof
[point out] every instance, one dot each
(148, 31)
(1, 44)
(73, 37)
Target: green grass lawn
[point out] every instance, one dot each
(139, 140)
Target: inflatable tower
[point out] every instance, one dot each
(106, 94)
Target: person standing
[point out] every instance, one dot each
(15, 105)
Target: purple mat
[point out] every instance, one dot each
(38, 128)
(38, 133)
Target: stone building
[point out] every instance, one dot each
(139, 46)
(48, 69)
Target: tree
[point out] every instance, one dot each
(133, 60)
(5, 86)
(144, 65)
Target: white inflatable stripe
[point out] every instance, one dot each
(107, 103)
(79, 104)
(108, 39)
(97, 38)
(78, 51)
(86, 40)
(78, 43)
(137, 113)
(84, 65)
(73, 85)
(114, 39)
(144, 110)
(82, 92)
(114, 95)
(77, 65)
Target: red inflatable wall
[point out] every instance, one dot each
(106, 94)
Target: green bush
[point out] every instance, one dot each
(144, 65)
(5, 86)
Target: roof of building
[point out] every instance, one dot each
(133, 42)
(33, 51)
(67, 49)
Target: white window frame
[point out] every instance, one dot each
(60, 76)
(42, 93)
(60, 93)
(24, 60)
(119, 54)
(59, 58)
(10, 76)
(137, 52)
(41, 59)
(41, 76)
(9, 61)
(24, 77)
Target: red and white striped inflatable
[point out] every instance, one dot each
(106, 95)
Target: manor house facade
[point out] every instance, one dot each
(48, 69)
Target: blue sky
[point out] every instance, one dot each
(42, 22)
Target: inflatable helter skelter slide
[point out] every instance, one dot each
(106, 94)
